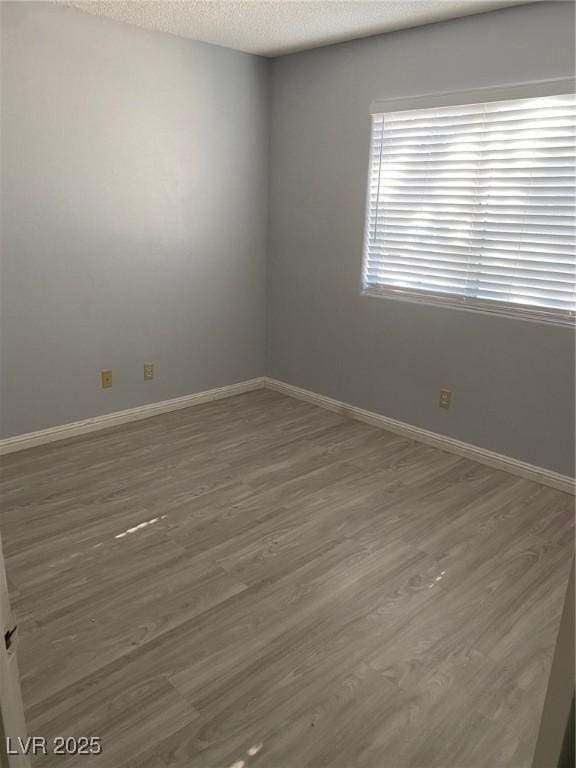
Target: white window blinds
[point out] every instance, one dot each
(473, 206)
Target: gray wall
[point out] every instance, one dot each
(513, 381)
(134, 181)
(134, 186)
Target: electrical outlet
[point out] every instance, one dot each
(148, 371)
(106, 379)
(445, 398)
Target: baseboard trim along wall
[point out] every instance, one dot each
(466, 450)
(474, 452)
(52, 434)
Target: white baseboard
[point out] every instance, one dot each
(482, 455)
(32, 439)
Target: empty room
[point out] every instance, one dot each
(287, 384)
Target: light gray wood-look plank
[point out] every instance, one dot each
(257, 581)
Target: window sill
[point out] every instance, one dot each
(510, 311)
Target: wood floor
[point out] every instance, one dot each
(260, 583)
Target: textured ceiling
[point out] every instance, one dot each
(276, 27)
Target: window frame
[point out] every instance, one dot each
(526, 90)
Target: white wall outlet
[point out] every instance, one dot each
(148, 371)
(445, 398)
(106, 378)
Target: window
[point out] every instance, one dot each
(473, 206)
